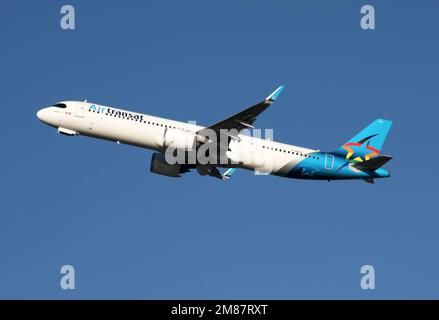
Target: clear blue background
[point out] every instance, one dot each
(132, 234)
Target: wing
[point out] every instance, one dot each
(212, 170)
(239, 121)
(246, 118)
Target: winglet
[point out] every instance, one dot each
(275, 94)
(228, 174)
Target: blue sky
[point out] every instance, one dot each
(131, 234)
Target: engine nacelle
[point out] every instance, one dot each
(160, 166)
(179, 139)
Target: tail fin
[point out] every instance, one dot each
(368, 143)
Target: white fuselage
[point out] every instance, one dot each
(148, 132)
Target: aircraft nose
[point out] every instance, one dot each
(41, 114)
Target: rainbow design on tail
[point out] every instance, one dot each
(367, 143)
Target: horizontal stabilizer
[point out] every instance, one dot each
(373, 164)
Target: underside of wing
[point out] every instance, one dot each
(244, 119)
(213, 171)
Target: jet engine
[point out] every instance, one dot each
(160, 166)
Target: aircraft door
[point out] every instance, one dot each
(80, 109)
(329, 161)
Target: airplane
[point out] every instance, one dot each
(358, 158)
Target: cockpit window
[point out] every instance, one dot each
(60, 105)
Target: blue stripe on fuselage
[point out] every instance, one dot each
(320, 167)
